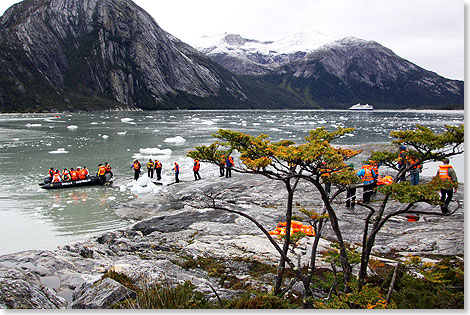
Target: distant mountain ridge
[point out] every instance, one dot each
(73, 55)
(332, 73)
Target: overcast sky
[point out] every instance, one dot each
(429, 33)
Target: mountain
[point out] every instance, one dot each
(73, 55)
(329, 73)
(253, 57)
(107, 54)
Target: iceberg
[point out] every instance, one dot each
(177, 140)
(59, 151)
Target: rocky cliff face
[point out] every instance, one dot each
(101, 53)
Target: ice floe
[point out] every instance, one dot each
(176, 140)
(59, 151)
(72, 127)
(33, 125)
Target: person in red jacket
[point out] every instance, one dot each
(196, 167)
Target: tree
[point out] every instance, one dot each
(425, 146)
(311, 161)
(286, 162)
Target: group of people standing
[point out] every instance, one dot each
(226, 165)
(370, 171)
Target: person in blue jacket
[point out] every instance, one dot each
(368, 176)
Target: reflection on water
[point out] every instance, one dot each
(32, 143)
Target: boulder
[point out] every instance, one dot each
(101, 294)
(23, 289)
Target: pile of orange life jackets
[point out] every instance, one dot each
(385, 180)
(295, 227)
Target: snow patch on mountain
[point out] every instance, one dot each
(233, 44)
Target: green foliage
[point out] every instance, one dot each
(122, 279)
(183, 296)
(440, 286)
(259, 301)
(333, 255)
(404, 192)
(368, 298)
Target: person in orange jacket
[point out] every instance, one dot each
(73, 174)
(108, 169)
(101, 173)
(196, 167)
(65, 175)
(136, 167)
(222, 166)
(177, 172)
(228, 166)
(446, 172)
(56, 177)
(158, 169)
(83, 173)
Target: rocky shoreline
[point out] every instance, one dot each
(167, 232)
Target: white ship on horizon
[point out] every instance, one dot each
(359, 106)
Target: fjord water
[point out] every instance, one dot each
(33, 218)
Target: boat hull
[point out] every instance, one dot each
(93, 180)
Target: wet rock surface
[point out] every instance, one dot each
(174, 227)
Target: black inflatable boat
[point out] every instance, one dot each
(92, 180)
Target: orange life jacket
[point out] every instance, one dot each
(83, 173)
(136, 165)
(367, 173)
(413, 161)
(444, 172)
(74, 175)
(101, 170)
(177, 168)
(56, 178)
(65, 175)
(196, 166)
(158, 164)
(51, 173)
(107, 168)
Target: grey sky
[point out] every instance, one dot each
(429, 33)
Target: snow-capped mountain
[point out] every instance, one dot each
(255, 57)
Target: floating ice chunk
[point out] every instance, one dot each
(127, 120)
(59, 151)
(72, 127)
(156, 130)
(150, 151)
(94, 123)
(122, 133)
(33, 125)
(105, 136)
(122, 188)
(177, 140)
(142, 181)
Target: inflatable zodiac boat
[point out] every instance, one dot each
(92, 180)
